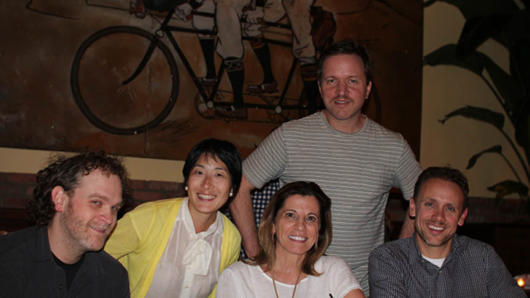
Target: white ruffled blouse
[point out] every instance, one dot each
(189, 266)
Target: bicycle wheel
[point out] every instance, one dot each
(109, 57)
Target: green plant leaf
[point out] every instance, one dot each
(476, 8)
(479, 29)
(507, 187)
(522, 128)
(509, 88)
(507, 28)
(520, 63)
(477, 113)
(446, 55)
(473, 160)
(427, 3)
(517, 30)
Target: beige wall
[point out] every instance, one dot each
(446, 88)
(30, 161)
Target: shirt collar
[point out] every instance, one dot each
(215, 227)
(415, 254)
(42, 245)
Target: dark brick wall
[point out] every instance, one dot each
(143, 190)
(15, 189)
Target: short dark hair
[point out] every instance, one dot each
(267, 239)
(67, 173)
(347, 47)
(215, 148)
(444, 173)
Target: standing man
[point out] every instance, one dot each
(75, 204)
(353, 159)
(436, 262)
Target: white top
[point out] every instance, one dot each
(243, 280)
(189, 266)
(437, 262)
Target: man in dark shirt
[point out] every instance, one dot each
(435, 262)
(75, 205)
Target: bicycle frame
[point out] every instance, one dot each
(168, 29)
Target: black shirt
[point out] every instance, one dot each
(28, 269)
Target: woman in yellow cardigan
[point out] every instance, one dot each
(178, 247)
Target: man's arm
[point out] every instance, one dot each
(243, 214)
(406, 175)
(499, 281)
(407, 229)
(385, 275)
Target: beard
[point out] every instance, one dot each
(81, 237)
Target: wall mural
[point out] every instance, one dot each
(135, 80)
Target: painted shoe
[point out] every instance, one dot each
(208, 82)
(232, 113)
(263, 88)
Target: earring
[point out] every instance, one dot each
(186, 188)
(231, 193)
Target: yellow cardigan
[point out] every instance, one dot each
(141, 236)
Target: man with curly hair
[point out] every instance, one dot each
(75, 205)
